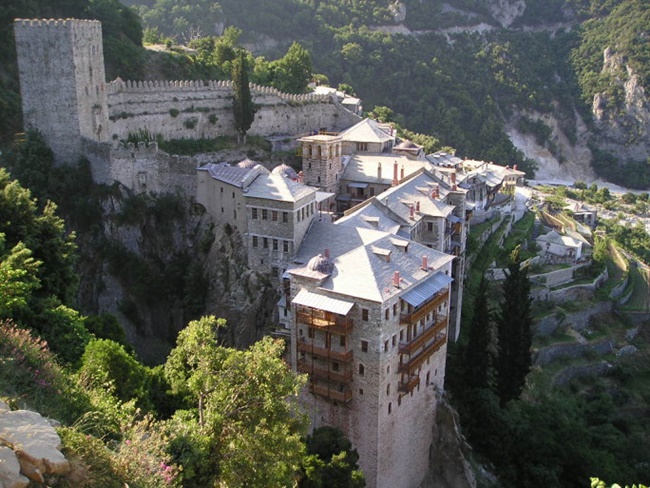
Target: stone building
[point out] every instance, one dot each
(368, 321)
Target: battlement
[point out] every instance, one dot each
(139, 148)
(120, 86)
(65, 23)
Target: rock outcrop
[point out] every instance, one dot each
(505, 12)
(29, 449)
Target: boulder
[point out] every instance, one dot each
(10, 476)
(35, 443)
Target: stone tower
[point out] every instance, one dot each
(63, 83)
(321, 161)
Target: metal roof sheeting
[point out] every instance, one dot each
(321, 302)
(424, 291)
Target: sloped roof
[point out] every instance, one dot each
(363, 167)
(367, 130)
(554, 237)
(359, 271)
(233, 175)
(278, 187)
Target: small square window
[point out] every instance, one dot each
(360, 391)
(285, 246)
(255, 241)
(335, 366)
(275, 244)
(274, 215)
(265, 214)
(362, 370)
(285, 217)
(342, 341)
(265, 243)
(254, 213)
(364, 346)
(364, 314)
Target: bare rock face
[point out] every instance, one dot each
(623, 121)
(33, 446)
(449, 466)
(505, 12)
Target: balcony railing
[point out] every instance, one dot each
(415, 316)
(322, 352)
(407, 386)
(341, 396)
(414, 363)
(424, 337)
(340, 376)
(320, 319)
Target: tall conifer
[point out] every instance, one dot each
(481, 351)
(514, 331)
(243, 107)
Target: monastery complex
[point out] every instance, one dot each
(365, 242)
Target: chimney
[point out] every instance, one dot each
(379, 171)
(395, 174)
(402, 173)
(327, 253)
(301, 177)
(417, 206)
(515, 167)
(453, 178)
(412, 212)
(425, 264)
(396, 279)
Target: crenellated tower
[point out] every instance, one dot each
(63, 83)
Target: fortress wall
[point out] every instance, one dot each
(182, 109)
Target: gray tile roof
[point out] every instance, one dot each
(367, 130)
(360, 271)
(233, 175)
(362, 167)
(278, 187)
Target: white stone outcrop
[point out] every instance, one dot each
(32, 444)
(505, 12)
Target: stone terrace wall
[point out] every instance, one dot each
(196, 109)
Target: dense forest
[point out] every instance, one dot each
(439, 75)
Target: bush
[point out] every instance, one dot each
(174, 112)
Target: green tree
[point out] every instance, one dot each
(481, 351)
(243, 107)
(293, 72)
(18, 277)
(246, 410)
(514, 331)
(330, 461)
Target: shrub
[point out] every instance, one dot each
(213, 118)
(174, 112)
(190, 123)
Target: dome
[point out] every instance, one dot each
(321, 264)
(285, 170)
(247, 164)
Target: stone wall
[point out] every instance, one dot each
(577, 320)
(552, 353)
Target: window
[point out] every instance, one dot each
(254, 213)
(364, 314)
(265, 214)
(364, 346)
(285, 217)
(255, 241)
(385, 346)
(394, 309)
(233, 194)
(310, 333)
(388, 369)
(394, 340)
(275, 244)
(221, 209)
(342, 341)
(428, 377)
(360, 391)
(390, 407)
(362, 369)
(399, 401)
(274, 215)
(274, 271)
(387, 314)
(265, 243)
(234, 213)
(299, 330)
(335, 366)
(362, 146)
(285, 246)
(221, 189)
(388, 389)
(429, 226)
(372, 191)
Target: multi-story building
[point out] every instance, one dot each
(368, 318)
(272, 210)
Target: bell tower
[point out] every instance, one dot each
(321, 161)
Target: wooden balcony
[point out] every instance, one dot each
(340, 376)
(320, 319)
(419, 341)
(406, 387)
(321, 352)
(416, 315)
(333, 394)
(411, 366)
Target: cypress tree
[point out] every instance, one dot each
(514, 331)
(481, 351)
(243, 108)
